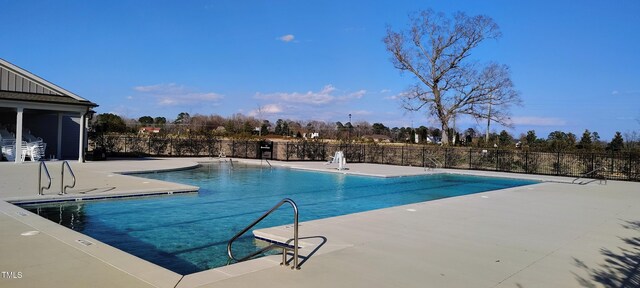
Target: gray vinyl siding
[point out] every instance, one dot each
(4, 79)
(10, 81)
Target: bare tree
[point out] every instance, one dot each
(436, 50)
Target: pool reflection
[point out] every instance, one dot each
(71, 216)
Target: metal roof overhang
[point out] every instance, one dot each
(43, 102)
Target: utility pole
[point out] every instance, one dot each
(350, 125)
(261, 121)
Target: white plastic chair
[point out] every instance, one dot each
(9, 149)
(35, 150)
(25, 150)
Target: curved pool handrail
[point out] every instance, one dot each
(63, 188)
(295, 235)
(46, 171)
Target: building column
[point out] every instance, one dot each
(18, 151)
(59, 143)
(81, 132)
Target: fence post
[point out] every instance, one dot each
(612, 159)
(170, 146)
(402, 156)
(287, 151)
(382, 160)
(423, 155)
(558, 164)
(470, 157)
(633, 166)
(526, 161)
(273, 149)
(628, 166)
(497, 159)
(446, 153)
(324, 151)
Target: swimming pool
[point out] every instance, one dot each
(189, 233)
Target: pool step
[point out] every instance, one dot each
(280, 235)
(284, 245)
(312, 242)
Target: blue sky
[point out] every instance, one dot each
(576, 64)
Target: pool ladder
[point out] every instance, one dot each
(590, 174)
(270, 166)
(274, 245)
(435, 163)
(46, 171)
(63, 188)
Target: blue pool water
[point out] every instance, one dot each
(189, 233)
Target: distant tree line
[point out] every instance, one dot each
(241, 126)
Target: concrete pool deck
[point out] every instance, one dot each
(94, 179)
(550, 234)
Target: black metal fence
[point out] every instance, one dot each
(614, 166)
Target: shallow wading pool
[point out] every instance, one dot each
(189, 233)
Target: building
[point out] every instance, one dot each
(149, 130)
(378, 138)
(32, 105)
(311, 135)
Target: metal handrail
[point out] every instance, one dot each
(284, 252)
(589, 173)
(435, 163)
(40, 187)
(63, 188)
(270, 166)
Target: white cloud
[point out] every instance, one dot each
(178, 95)
(627, 92)
(325, 104)
(538, 121)
(325, 96)
(397, 96)
(385, 91)
(362, 113)
(271, 109)
(266, 109)
(286, 38)
(355, 95)
(321, 97)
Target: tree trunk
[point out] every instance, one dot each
(445, 135)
